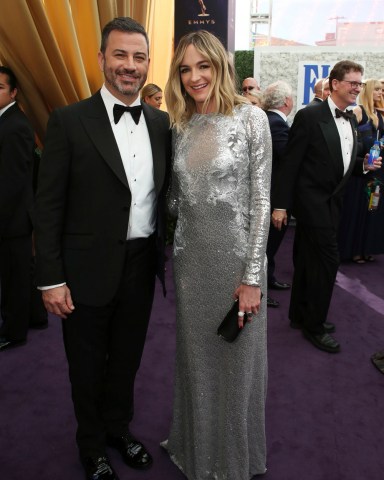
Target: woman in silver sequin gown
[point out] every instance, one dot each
(220, 193)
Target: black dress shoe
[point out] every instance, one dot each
(279, 285)
(133, 452)
(98, 468)
(271, 302)
(322, 341)
(5, 343)
(328, 326)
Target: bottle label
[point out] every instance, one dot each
(373, 155)
(373, 201)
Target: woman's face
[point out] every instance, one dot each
(196, 77)
(377, 93)
(155, 100)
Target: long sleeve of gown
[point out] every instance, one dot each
(260, 163)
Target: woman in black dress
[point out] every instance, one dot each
(362, 229)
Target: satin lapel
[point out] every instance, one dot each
(153, 121)
(96, 122)
(332, 139)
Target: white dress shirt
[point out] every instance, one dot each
(345, 130)
(136, 154)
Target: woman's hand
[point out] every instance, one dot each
(249, 301)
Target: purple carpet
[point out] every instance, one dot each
(325, 417)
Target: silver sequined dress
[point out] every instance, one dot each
(220, 192)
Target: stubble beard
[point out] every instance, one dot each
(128, 90)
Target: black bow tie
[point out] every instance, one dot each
(118, 111)
(348, 114)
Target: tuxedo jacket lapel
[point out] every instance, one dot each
(332, 139)
(96, 122)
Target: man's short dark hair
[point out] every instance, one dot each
(340, 69)
(122, 24)
(12, 81)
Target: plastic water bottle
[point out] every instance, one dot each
(381, 142)
(374, 152)
(374, 199)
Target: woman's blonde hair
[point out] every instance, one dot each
(180, 105)
(149, 90)
(366, 99)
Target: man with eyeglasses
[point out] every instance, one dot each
(321, 155)
(249, 84)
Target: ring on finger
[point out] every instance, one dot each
(240, 314)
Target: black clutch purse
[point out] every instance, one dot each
(229, 327)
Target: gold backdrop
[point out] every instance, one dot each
(52, 46)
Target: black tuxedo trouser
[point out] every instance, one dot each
(15, 277)
(104, 346)
(275, 237)
(316, 260)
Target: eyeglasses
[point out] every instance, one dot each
(247, 89)
(353, 84)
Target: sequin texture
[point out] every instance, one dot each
(220, 193)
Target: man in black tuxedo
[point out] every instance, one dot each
(319, 158)
(16, 197)
(278, 104)
(100, 233)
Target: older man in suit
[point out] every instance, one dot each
(319, 158)
(278, 103)
(16, 197)
(100, 241)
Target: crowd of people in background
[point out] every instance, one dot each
(99, 222)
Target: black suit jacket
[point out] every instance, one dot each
(16, 163)
(83, 200)
(311, 179)
(279, 133)
(314, 101)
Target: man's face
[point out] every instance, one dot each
(289, 102)
(125, 64)
(7, 95)
(346, 91)
(250, 84)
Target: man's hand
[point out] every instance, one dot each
(279, 218)
(376, 163)
(58, 301)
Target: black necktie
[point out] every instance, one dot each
(118, 111)
(348, 114)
